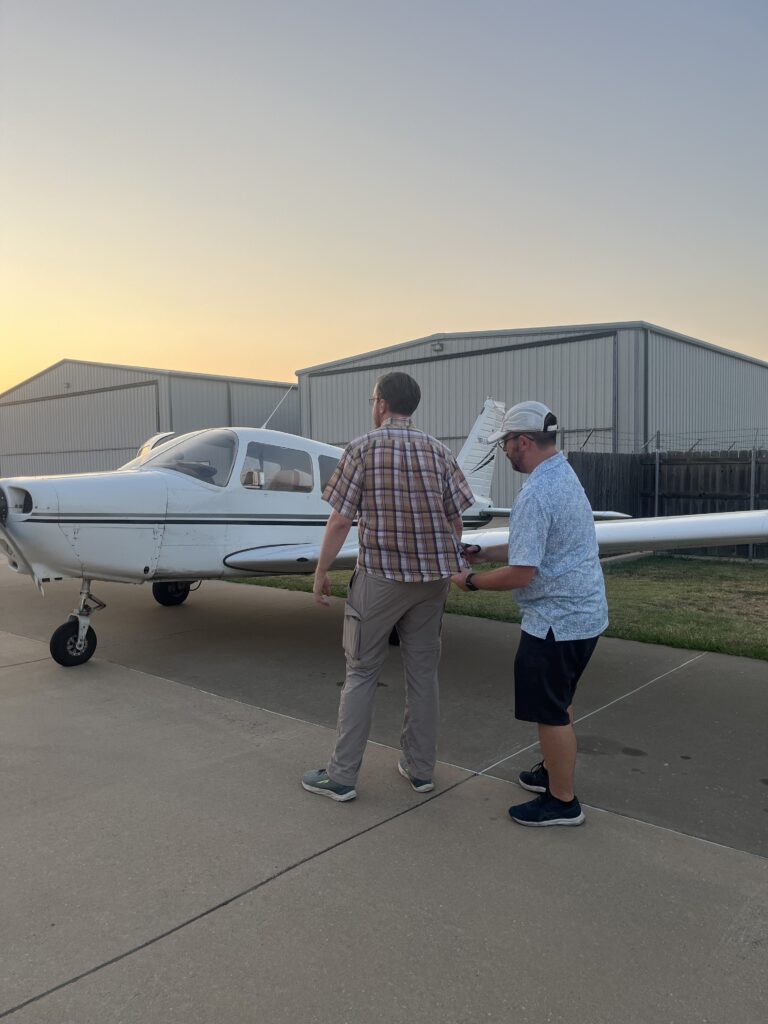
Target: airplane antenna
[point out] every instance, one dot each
(266, 421)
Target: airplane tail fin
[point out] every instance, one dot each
(476, 459)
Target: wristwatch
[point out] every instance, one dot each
(469, 584)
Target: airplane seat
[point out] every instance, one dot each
(250, 478)
(284, 480)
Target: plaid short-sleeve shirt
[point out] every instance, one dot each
(406, 490)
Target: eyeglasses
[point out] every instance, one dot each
(374, 398)
(502, 442)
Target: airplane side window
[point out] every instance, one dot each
(207, 456)
(269, 468)
(327, 469)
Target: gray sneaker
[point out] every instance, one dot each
(419, 785)
(318, 781)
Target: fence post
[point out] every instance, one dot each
(656, 484)
(752, 481)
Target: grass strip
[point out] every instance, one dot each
(696, 604)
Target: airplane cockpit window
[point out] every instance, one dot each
(207, 456)
(327, 469)
(269, 468)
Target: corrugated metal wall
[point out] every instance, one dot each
(77, 433)
(436, 348)
(575, 378)
(253, 404)
(71, 375)
(82, 417)
(704, 397)
(199, 403)
(612, 386)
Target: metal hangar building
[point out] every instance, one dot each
(84, 417)
(618, 387)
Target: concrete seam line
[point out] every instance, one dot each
(224, 903)
(16, 664)
(675, 832)
(598, 710)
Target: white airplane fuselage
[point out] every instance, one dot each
(144, 523)
(232, 502)
(151, 521)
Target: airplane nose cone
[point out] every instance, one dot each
(3, 507)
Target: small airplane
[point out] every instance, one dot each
(231, 502)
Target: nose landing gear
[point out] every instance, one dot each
(74, 642)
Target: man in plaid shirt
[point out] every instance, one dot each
(407, 493)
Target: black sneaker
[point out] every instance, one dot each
(547, 810)
(536, 780)
(419, 785)
(319, 781)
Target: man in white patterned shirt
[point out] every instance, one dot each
(553, 571)
(407, 493)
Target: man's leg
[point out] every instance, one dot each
(369, 615)
(420, 647)
(546, 674)
(544, 756)
(558, 746)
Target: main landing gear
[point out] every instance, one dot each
(170, 594)
(74, 642)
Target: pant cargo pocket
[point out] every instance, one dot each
(351, 633)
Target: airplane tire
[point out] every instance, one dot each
(63, 642)
(170, 594)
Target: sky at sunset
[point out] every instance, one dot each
(248, 187)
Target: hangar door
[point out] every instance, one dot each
(81, 432)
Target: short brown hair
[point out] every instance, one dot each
(400, 391)
(543, 440)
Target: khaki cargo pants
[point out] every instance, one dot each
(374, 606)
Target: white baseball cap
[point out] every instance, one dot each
(525, 418)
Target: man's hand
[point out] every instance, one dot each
(336, 531)
(460, 579)
(472, 553)
(321, 588)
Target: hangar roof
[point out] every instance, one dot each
(528, 331)
(144, 369)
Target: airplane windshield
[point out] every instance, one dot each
(208, 456)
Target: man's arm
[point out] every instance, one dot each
(475, 553)
(508, 577)
(336, 531)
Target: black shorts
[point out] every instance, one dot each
(546, 674)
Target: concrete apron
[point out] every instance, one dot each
(161, 862)
(672, 737)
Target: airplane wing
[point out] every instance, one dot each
(613, 537)
(704, 531)
(493, 513)
(278, 559)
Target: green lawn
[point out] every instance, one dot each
(681, 602)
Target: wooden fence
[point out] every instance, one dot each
(677, 484)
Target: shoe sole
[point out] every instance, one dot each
(532, 789)
(417, 789)
(553, 821)
(340, 798)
